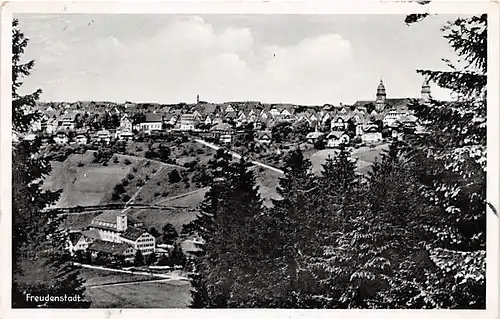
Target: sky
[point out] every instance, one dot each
(301, 59)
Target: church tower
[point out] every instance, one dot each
(425, 93)
(381, 95)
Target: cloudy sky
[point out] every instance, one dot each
(307, 59)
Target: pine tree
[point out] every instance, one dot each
(227, 213)
(456, 150)
(40, 263)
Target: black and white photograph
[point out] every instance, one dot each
(246, 160)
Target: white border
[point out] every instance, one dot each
(251, 7)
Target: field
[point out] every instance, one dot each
(96, 277)
(109, 289)
(87, 185)
(170, 294)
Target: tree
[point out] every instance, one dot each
(456, 150)
(40, 264)
(174, 177)
(228, 256)
(169, 233)
(154, 232)
(151, 259)
(138, 258)
(177, 256)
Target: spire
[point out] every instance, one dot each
(426, 90)
(381, 88)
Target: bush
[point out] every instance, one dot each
(134, 169)
(130, 176)
(115, 160)
(128, 162)
(80, 164)
(174, 177)
(156, 194)
(147, 164)
(158, 183)
(105, 164)
(126, 197)
(139, 183)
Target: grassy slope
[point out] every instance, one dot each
(158, 218)
(86, 185)
(78, 221)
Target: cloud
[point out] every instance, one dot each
(188, 56)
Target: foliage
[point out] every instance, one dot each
(169, 234)
(40, 265)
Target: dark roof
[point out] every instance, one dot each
(154, 117)
(133, 233)
(92, 233)
(108, 216)
(397, 104)
(109, 247)
(261, 134)
(74, 237)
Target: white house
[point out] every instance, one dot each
(337, 138)
(371, 135)
(187, 122)
(61, 138)
(153, 122)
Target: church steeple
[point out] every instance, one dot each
(425, 93)
(381, 96)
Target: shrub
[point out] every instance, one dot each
(80, 164)
(138, 148)
(126, 197)
(139, 183)
(115, 160)
(125, 182)
(147, 164)
(158, 183)
(174, 177)
(105, 164)
(139, 198)
(130, 176)
(156, 194)
(134, 169)
(128, 162)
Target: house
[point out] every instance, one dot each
(125, 136)
(68, 121)
(139, 239)
(117, 227)
(274, 112)
(223, 132)
(371, 135)
(77, 241)
(61, 138)
(314, 136)
(103, 136)
(208, 120)
(229, 109)
(187, 122)
(81, 138)
(337, 138)
(263, 137)
(111, 249)
(152, 122)
(125, 124)
(339, 123)
(170, 119)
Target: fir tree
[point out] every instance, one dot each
(456, 150)
(227, 212)
(40, 263)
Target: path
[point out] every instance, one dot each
(133, 282)
(171, 276)
(131, 200)
(238, 156)
(151, 160)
